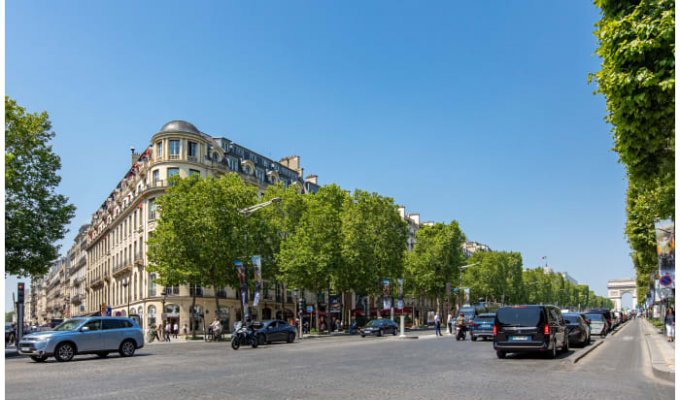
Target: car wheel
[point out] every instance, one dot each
(473, 338)
(380, 333)
(291, 338)
(127, 348)
(394, 332)
(500, 354)
(39, 358)
(565, 345)
(103, 354)
(65, 352)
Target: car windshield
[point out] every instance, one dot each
(519, 316)
(69, 325)
(571, 320)
(373, 322)
(594, 317)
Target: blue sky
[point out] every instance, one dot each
(475, 111)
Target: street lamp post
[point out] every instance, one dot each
(461, 295)
(165, 295)
(247, 212)
(126, 283)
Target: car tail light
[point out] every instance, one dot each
(495, 330)
(546, 329)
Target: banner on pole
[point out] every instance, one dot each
(387, 301)
(257, 269)
(400, 298)
(243, 281)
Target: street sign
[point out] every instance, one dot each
(665, 280)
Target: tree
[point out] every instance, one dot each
(35, 216)
(312, 254)
(373, 244)
(435, 259)
(497, 275)
(201, 232)
(637, 47)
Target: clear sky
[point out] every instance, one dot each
(479, 112)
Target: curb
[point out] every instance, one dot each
(664, 372)
(587, 351)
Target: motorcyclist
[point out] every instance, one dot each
(216, 328)
(460, 321)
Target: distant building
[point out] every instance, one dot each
(470, 248)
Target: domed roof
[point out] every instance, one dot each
(179, 126)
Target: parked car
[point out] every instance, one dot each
(482, 326)
(10, 334)
(529, 328)
(608, 315)
(578, 329)
(379, 327)
(275, 331)
(87, 335)
(598, 324)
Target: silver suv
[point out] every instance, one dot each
(87, 335)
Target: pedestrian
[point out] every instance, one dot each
(154, 331)
(437, 325)
(167, 331)
(186, 329)
(175, 330)
(448, 323)
(669, 321)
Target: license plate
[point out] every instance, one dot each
(25, 349)
(519, 338)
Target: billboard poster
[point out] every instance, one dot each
(335, 303)
(257, 269)
(243, 281)
(387, 301)
(665, 250)
(400, 298)
(467, 295)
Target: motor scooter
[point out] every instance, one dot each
(243, 335)
(460, 332)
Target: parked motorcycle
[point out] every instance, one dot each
(242, 335)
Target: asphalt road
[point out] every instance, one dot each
(345, 368)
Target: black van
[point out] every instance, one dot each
(529, 328)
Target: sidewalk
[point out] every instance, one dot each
(662, 352)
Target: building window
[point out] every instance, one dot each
(195, 290)
(152, 209)
(159, 150)
(152, 285)
(194, 172)
(151, 316)
(192, 151)
(155, 177)
(173, 149)
(173, 172)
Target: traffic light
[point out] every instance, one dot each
(20, 293)
(302, 304)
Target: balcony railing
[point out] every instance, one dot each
(192, 158)
(122, 267)
(139, 259)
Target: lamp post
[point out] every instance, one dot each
(247, 212)
(164, 293)
(126, 283)
(461, 295)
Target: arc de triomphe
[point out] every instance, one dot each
(618, 287)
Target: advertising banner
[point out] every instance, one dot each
(243, 282)
(665, 249)
(387, 301)
(335, 303)
(467, 295)
(257, 269)
(400, 298)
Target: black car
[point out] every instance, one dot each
(379, 327)
(607, 315)
(578, 330)
(529, 328)
(275, 331)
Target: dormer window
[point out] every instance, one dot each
(248, 167)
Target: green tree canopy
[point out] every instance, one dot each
(495, 276)
(35, 216)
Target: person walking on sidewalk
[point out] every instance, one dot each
(669, 321)
(437, 325)
(167, 331)
(175, 330)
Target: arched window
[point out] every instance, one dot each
(151, 316)
(152, 285)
